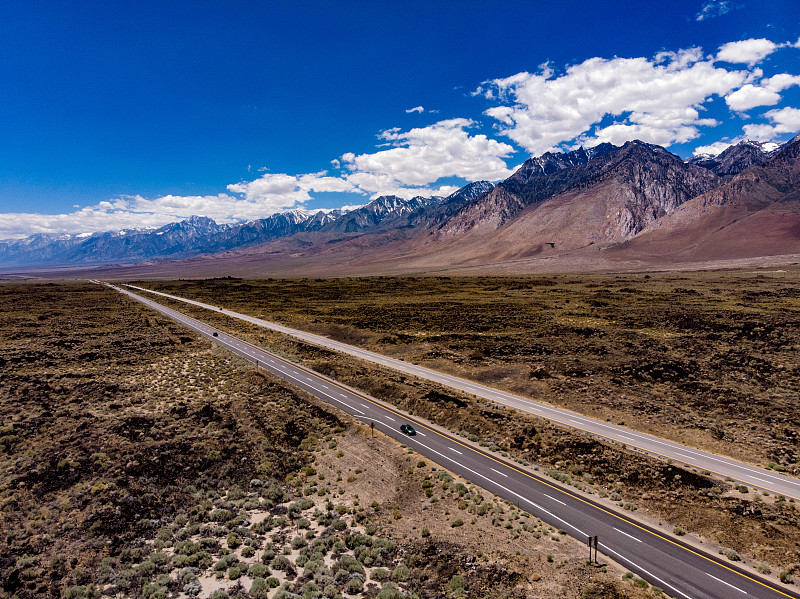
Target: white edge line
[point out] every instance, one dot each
(727, 583)
(626, 534)
(554, 499)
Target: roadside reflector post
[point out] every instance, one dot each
(590, 549)
(372, 428)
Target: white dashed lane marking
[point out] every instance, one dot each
(627, 535)
(726, 583)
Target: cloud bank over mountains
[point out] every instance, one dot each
(658, 100)
(665, 100)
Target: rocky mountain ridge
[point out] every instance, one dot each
(736, 158)
(655, 181)
(202, 235)
(605, 196)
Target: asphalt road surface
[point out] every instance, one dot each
(723, 466)
(680, 570)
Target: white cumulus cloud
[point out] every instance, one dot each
(656, 100)
(423, 155)
(748, 52)
(278, 191)
(765, 93)
(418, 109)
(783, 121)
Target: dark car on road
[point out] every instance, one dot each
(408, 430)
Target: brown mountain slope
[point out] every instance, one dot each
(648, 182)
(757, 213)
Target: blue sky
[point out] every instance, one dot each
(118, 115)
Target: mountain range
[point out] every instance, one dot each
(636, 203)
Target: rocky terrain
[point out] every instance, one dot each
(735, 159)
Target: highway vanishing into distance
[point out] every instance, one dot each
(679, 569)
(754, 476)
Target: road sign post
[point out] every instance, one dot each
(593, 541)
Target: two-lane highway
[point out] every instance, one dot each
(721, 465)
(674, 566)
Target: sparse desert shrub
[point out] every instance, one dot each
(259, 589)
(258, 571)
(233, 540)
(763, 568)
(350, 564)
(390, 591)
(457, 522)
(220, 515)
(280, 562)
(275, 493)
(81, 592)
(146, 568)
(786, 577)
(153, 590)
(380, 574)
(457, 583)
(310, 589)
(298, 543)
(330, 590)
(401, 573)
(731, 555)
(355, 585)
